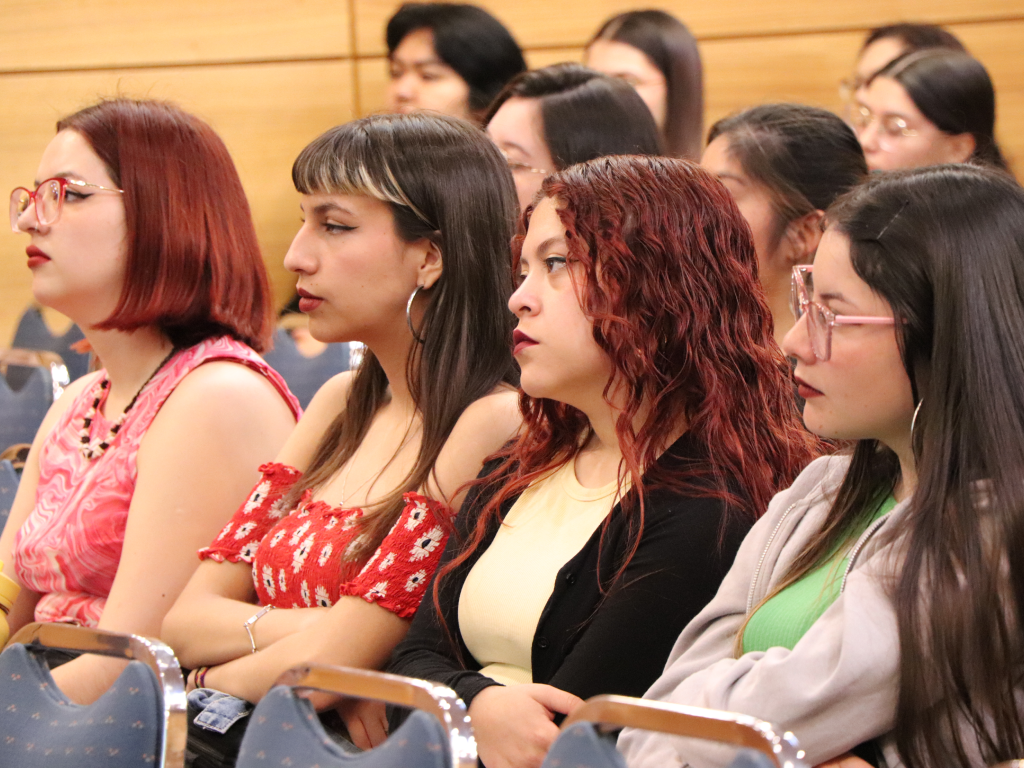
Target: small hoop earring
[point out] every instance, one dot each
(408, 313)
(913, 419)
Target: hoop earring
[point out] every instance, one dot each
(408, 313)
(913, 419)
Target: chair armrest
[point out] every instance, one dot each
(437, 700)
(155, 654)
(694, 722)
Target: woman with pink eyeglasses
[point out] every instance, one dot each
(876, 609)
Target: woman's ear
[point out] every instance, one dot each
(958, 147)
(431, 265)
(802, 237)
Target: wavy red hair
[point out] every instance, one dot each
(670, 280)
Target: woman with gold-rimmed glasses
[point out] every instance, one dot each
(927, 108)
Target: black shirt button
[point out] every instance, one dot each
(570, 578)
(542, 642)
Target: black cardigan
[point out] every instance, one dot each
(583, 645)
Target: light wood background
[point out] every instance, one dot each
(270, 76)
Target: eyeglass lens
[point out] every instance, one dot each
(48, 202)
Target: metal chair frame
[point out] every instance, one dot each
(155, 654)
(694, 722)
(38, 358)
(437, 700)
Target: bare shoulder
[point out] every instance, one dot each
(494, 418)
(225, 390)
(484, 427)
(327, 404)
(331, 398)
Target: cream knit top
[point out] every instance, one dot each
(506, 591)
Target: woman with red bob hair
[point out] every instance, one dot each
(140, 233)
(659, 421)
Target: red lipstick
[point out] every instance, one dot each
(520, 341)
(805, 390)
(35, 257)
(307, 301)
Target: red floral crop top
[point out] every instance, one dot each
(304, 557)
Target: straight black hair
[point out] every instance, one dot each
(444, 180)
(466, 38)
(953, 90)
(804, 156)
(672, 48)
(585, 114)
(944, 246)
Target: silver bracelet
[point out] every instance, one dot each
(251, 621)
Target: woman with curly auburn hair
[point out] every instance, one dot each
(659, 421)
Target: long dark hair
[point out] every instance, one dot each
(672, 48)
(445, 181)
(944, 246)
(585, 114)
(670, 280)
(466, 38)
(804, 156)
(953, 90)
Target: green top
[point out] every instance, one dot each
(785, 617)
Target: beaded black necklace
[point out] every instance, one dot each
(91, 450)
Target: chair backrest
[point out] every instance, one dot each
(305, 375)
(284, 728)
(8, 490)
(32, 333)
(139, 721)
(22, 410)
(581, 744)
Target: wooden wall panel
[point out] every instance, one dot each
(542, 24)
(266, 114)
(71, 34)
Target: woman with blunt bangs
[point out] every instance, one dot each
(405, 247)
(877, 606)
(659, 421)
(141, 233)
(784, 164)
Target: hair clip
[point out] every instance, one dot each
(894, 217)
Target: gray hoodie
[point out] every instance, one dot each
(835, 689)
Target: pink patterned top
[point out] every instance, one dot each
(307, 556)
(70, 545)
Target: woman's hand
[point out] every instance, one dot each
(366, 721)
(845, 761)
(514, 725)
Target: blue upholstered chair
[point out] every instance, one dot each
(8, 490)
(284, 729)
(31, 382)
(305, 375)
(32, 333)
(584, 741)
(139, 722)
